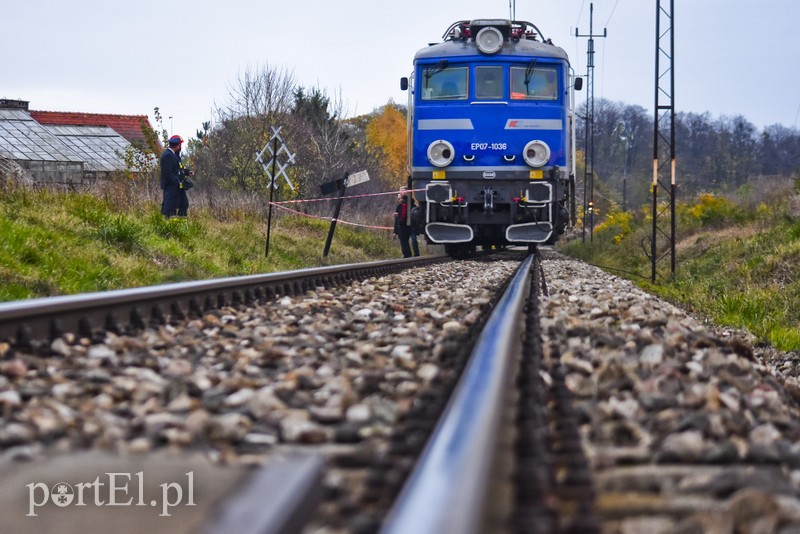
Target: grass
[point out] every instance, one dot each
(736, 265)
(55, 243)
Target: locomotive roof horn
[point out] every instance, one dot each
(509, 29)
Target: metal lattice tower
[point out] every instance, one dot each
(664, 140)
(588, 167)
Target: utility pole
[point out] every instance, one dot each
(664, 137)
(625, 176)
(588, 174)
(623, 135)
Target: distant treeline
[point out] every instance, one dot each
(713, 154)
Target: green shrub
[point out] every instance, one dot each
(170, 228)
(88, 209)
(121, 231)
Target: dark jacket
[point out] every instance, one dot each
(401, 215)
(170, 169)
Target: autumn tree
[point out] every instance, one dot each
(386, 133)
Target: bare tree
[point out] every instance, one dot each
(320, 138)
(261, 92)
(260, 97)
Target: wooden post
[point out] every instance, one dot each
(342, 188)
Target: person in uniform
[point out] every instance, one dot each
(176, 201)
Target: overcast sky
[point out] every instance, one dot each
(732, 56)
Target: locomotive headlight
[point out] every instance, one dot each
(441, 153)
(489, 40)
(536, 153)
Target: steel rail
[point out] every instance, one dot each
(448, 489)
(279, 498)
(119, 310)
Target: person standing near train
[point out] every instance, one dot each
(403, 228)
(174, 180)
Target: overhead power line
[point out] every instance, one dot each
(580, 12)
(796, 115)
(612, 12)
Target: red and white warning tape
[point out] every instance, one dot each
(340, 221)
(324, 199)
(301, 201)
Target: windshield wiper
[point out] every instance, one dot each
(529, 74)
(435, 70)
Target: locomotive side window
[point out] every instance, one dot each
(534, 83)
(445, 83)
(489, 83)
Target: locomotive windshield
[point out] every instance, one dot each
(445, 83)
(489, 82)
(541, 83)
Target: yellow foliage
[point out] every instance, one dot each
(387, 132)
(710, 208)
(618, 222)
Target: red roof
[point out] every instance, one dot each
(128, 126)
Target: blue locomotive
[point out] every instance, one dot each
(491, 139)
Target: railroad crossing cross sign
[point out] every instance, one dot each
(270, 168)
(275, 159)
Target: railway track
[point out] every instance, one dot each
(503, 458)
(27, 322)
(400, 403)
